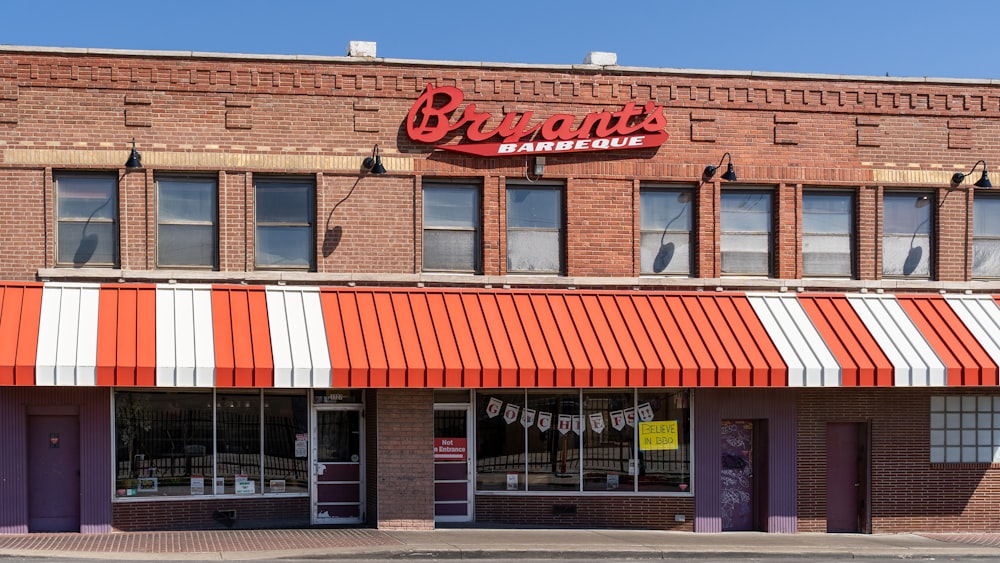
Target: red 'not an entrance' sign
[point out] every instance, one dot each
(632, 127)
(451, 449)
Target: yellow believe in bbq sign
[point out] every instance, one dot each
(660, 435)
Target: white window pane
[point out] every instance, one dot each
(937, 404)
(996, 455)
(968, 403)
(746, 254)
(826, 255)
(906, 256)
(906, 214)
(450, 250)
(284, 246)
(953, 454)
(969, 454)
(985, 454)
(665, 210)
(985, 420)
(954, 420)
(984, 437)
(996, 404)
(665, 253)
(985, 211)
(937, 420)
(745, 212)
(186, 245)
(937, 437)
(533, 251)
(534, 208)
(968, 437)
(937, 455)
(827, 213)
(186, 200)
(953, 438)
(953, 403)
(996, 437)
(86, 197)
(451, 206)
(984, 404)
(86, 243)
(986, 258)
(968, 420)
(284, 202)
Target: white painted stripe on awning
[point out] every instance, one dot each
(810, 361)
(185, 342)
(298, 338)
(981, 316)
(67, 335)
(914, 361)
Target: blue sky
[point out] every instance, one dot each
(914, 38)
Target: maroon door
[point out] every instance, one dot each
(737, 478)
(53, 474)
(846, 477)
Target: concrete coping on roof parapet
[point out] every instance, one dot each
(497, 65)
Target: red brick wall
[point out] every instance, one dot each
(655, 513)
(789, 133)
(405, 464)
(908, 493)
(197, 514)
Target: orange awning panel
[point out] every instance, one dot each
(19, 317)
(479, 338)
(243, 355)
(966, 361)
(126, 336)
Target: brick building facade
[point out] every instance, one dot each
(268, 331)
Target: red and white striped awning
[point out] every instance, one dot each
(176, 335)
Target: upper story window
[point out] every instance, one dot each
(906, 235)
(535, 229)
(986, 237)
(827, 234)
(665, 231)
(285, 234)
(451, 223)
(747, 229)
(186, 222)
(86, 220)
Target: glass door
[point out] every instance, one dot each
(452, 465)
(338, 486)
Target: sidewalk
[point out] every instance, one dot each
(478, 543)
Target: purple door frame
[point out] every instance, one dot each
(775, 410)
(92, 407)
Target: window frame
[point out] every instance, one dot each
(214, 223)
(994, 239)
(560, 190)
(476, 229)
(931, 221)
(964, 429)
(690, 230)
(770, 233)
(310, 223)
(115, 220)
(851, 233)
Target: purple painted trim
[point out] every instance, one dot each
(778, 407)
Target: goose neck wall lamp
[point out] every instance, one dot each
(729, 175)
(134, 161)
(373, 163)
(984, 180)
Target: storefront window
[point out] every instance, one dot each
(500, 461)
(630, 441)
(203, 443)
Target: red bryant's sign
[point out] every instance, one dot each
(450, 449)
(632, 127)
